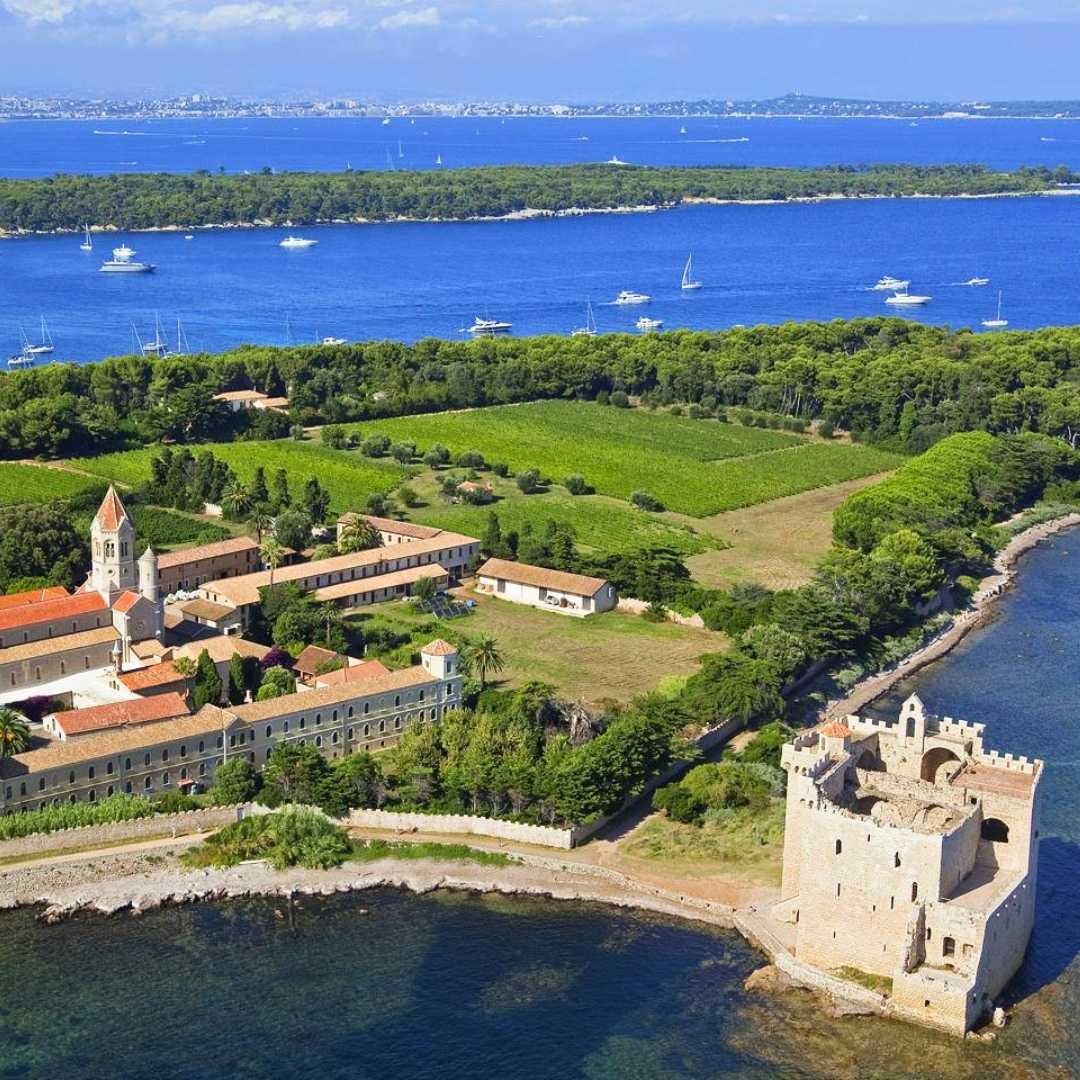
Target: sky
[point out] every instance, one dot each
(542, 50)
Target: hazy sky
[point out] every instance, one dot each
(551, 50)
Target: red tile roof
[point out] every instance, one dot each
(155, 675)
(369, 669)
(111, 512)
(125, 601)
(32, 596)
(122, 713)
(206, 551)
(438, 647)
(835, 730)
(313, 657)
(541, 577)
(63, 607)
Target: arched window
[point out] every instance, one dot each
(995, 830)
(839, 847)
(269, 730)
(896, 858)
(146, 783)
(948, 946)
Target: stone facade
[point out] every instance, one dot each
(910, 853)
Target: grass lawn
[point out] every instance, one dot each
(776, 544)
(748, 843)
(613, 655)
(601, 524)
(20, 483)
(348, 476)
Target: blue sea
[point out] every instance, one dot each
(759, 264)
(455, 987)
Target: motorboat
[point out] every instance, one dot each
(589, 329)
(997, 322)
(88, 243)
(296, 242)
(977, 281)
(647, 325)
(43, 348)
(616, 160)
(890, 284)
(188, 236)
(123, 262)
(688, 281)
(488, 326)
(628, 296)
(906, 299)
(334, 341)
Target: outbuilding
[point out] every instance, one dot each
(550, 590)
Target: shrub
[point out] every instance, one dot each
(826, 429)
(619, 399)
(335, 436)
(292, 836)
(528, 481)
(500, 468)
(235, 781)
(644, 501)
(408, 496)
(576, 485)
(276, 683)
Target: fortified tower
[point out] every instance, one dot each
(112, 548)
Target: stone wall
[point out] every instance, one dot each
(465, 825)
(118, 832)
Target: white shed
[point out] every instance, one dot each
(551, 590)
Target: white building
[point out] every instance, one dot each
(551, 590)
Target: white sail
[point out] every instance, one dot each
(88, 243)
(688, 281)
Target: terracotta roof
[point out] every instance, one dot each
(154, 675)
(344, 693)
(30, 650)
(207, 720)
(835, 730)
(222, 648)
(206, 609)
(146, 649)
(111, 512)
(359, 586)
(63, 607)
(206, 551)
(126, 601)
(142, 710)
(313, 657)
(392, 525)
(540, 576)
(32, 596)
(240, 395)
(438, 647)
(273, 403)
(369, 669)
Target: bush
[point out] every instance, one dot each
(528, 481)
(235, 781)
(500, 468)
(644, 501)
(72, 815)
(277, 682)
(408, 496)
(292, 836)
(576, 485)
(619, 399)
(335, 436)
(173, 802)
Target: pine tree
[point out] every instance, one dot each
(207, 682)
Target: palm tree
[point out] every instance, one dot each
(260, 521)
(482, 658)
(272, 553)
(14, 732)
(358, 534)
(238, 499)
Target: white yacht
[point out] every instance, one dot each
(628, 296)
(906, 299)
(438, 159)
(890, 284)
(188, 236)
(334, 341)
(616, 160)
(88, 243)
(647, 325)
(488, 326)
(997, 322)
(386, 121)
(682, 130)
(977, 281)
(41, 349)
(688, 281)
(294, 242)
(589, 329)
(159, 346)
(123, 263)
(20, 360)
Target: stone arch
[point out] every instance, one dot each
(932, 761)
(994, 829)
(869, 762)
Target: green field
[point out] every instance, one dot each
(696, 467)
(36, 483)
(348, 476)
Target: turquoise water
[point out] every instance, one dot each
(447, 986)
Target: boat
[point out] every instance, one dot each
(488, 326)
(589, 329)
(977, 281)
(386, 121)
(159, 347)
(997, 322)
(46, 345)
(88, 243)
(182, 346)
(188, 236)
(890, 284)
(682, 130)
(688, 281)
(616, 160)
(334, 341)
(295, 242)
(438, 159)
(628, 296)
(647, 325)
(123, 263)
(906, 299)
(400, 151)
(20, 360)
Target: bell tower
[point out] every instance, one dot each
(112, 548)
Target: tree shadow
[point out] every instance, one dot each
(1055, 940)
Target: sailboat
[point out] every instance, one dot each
(438, 159)
(400, 151)
(997, 322)
(42, 349)
(87, 244)
(159, 346)
(182, 346)
(589, 329)
(688, 281)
